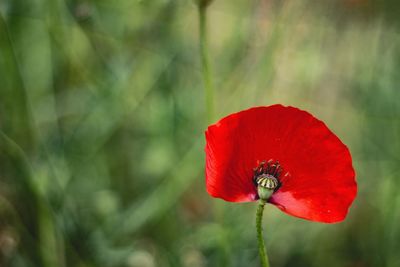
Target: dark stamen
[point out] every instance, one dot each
(267, 174)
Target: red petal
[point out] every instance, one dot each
(319, 184)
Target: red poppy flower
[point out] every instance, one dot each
(285, 149)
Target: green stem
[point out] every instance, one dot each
(261, 246)
(205, 62)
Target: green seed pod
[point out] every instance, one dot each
(266, 185)
(264, 193)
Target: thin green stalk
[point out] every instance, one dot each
(209, 99)
(261, 246)
(205, 62)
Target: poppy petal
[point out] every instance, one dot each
(318, 179)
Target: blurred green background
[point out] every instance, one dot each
(102, 118)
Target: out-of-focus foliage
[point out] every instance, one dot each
(102, 119)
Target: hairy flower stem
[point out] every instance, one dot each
(261, 246)
(205, 62)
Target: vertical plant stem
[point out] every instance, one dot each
(261, 246)
(205, 62)
(209, 101)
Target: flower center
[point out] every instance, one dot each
(267, 181)
(266, 178)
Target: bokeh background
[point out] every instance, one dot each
(102, 121)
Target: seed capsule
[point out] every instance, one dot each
(266, 178)
(267, 181)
